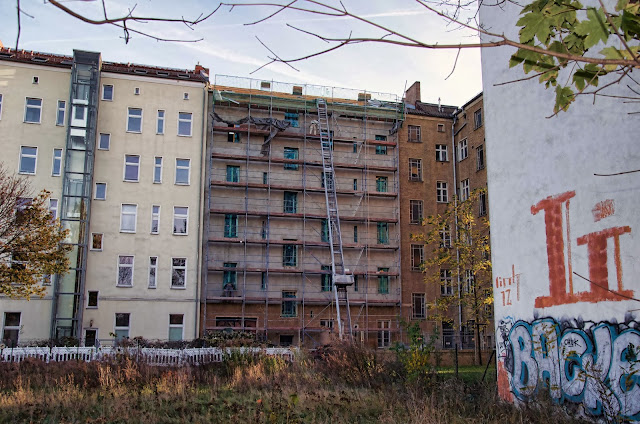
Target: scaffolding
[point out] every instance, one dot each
(268, 253)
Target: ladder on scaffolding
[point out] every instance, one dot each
(341, 278)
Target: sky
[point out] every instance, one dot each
(231, 47)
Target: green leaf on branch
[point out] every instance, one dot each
(534, 24)
(564, 97)
(594, 29)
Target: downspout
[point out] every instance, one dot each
(455, 214)
(201, 212)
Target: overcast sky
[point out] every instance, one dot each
(231, 48)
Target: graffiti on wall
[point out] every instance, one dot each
(595, 364)
(508, 288)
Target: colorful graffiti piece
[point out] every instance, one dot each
(596, 365)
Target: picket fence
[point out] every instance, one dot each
(150, 356)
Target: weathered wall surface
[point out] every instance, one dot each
(564, 241)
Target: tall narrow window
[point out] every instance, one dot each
(56, 168)
(418, 306)
(469, 281)
(383, 281)
(176, 327)
(131, 168)
(157, 170)
(355, 283)
(160, 123)
(104, 141)
(326, 178)
(233, 174)
(415, 169)
(62, 108)
(229, 278)
(326, 280)
(134, 120)
(232, 136)
(415, 211)
(265, 178)
(125, 271)
(11, 328)
(442, 193)
(414, 135)
(185, 121)
(441, 153)
(101, 191)
(0, 106)
(32, 110)
(289, 255)
(383, 233)
(53, 208)
(107, 92)
(28, 160)
(155, 219)
(463, 150)
(263, 281)
(480, 158)
(477, 118)
(291, 153)
(384, 334)
(178, 273)
(417, 257)
(121, 329)
(355, 184)
(482, 204)
(183, 168)
(180, 220)
(446, 286)
(290, 202)
(355, 233)
(445, 238)
(382, 184)
(324, 230)
(96, 241)
(128, 215)
(231, 226)
(153, 272)
(464, 190)
(289, 304)
(92, 299)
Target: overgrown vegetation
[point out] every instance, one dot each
(338, 384)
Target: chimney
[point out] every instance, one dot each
(202, 70)
(413, 94)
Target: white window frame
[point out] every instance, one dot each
(157, 166)
(160, 121)
(1, 105)
(384, 334)
(480, 158)
(53, 164)
(178, 268)
(182, 167)
(27, 106)
(122, 328)
(95, 191)
(134, 214)
(174, 326)
(464, 190)
(468, 281)
(442, 192)
(413, 219)
(108, 138)
(152, 280)
(418, 164)
(28, 155)
(155, 217)
(445, 238)
(442, 153)
(124, 265)
(440, 127)
(130, 116)
(97, 299)
(463, 150)
(420, 249)
(97, 249)
(137, 165)
(136, 91)
(416, 132)
(446, 282)
(477, 114)
(179, 216)
(53, 207)
(182, 120)
(423, 307)
(102, 97)
(63, 110)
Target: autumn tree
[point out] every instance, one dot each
(30, 239)
(460, 264)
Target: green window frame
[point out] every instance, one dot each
(292, 118)
(289, 255)
(383, 233)
(231, 226)
(233, 174)
(324, 230)
(263, 280)
(230, 276)
(290, 204)
(326, 280)
(289, 307)
(355, 233)
(291, 153)
(381, 150)
(383, 281)
(382, 183)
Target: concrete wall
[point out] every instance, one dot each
(564, 240)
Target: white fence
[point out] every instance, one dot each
(151, 356)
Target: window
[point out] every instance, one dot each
(417, 257)
(229, 278)
(381, 138)
(355, 283)
(263, 230)
(178, 273)
(231, 226)
(53, 208)
(11, 329)
(104, 141)
(441, 153)
(463, 150)
(176, 326)
(131, 168)
(381, 150)
(446, 285)
(233, 137)
(0, 106)
(383, 281)
(480, 158)
(289, 304)
(56, 168)
(326, 280)
(290, 202)
(28, 160)
(183, 167)
(233, 174)
(155, 219)
(32, 110)
(355, 147)
(134, 120)
(440, 127)
(324, 230)
(415, 169)
(464, 190)
(185, 96)
(121, 329)
(292, 118)
(265, 178)
(160, 122)
(157, 170)
(415, 211)
(383, 233)
(482, 204)
(289, 255)
(101, 191)
(381, 184)
(96, 241)
(185, 121)
(180, 219)
(355, 184)
(442, 193)
(125, 271)
(445, 238)
(92, 299)
(291, 153)
(35, 80)
(136, 91)
(90, 337)
(418, 306)
(477, 118)
(107, 92)
(263, 280)
(328, 177)
(128, 218)
(153, 272)
(355, 233)
(62, 108)
(384, 334)
(414, 134)
(469, 281)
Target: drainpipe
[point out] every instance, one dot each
(203, 138)
(455, 205)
